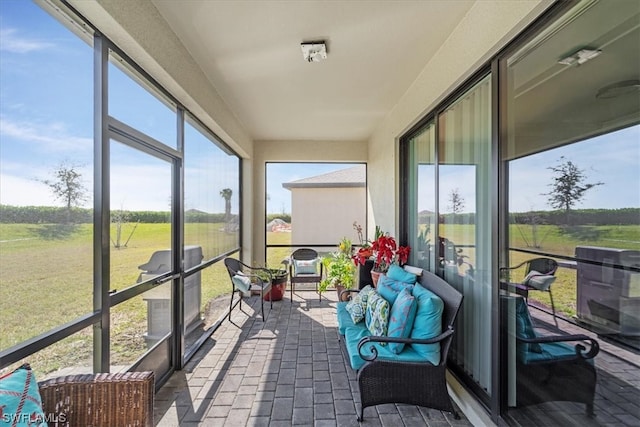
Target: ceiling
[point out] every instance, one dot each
(250, 51)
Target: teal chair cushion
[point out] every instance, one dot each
(524, 329)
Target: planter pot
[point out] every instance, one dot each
(375, 276)
(364, 274)
(278, 288)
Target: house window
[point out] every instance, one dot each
(571, 153)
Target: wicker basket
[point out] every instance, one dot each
(124, 399)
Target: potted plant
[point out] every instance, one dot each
(384, 251)
(278, 277)
(340, 271)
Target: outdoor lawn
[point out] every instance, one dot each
(46, 281)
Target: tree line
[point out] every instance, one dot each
(64, 215)
(622, 216)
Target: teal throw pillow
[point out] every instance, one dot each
(524, 328)
(241, 282)
(400, 274)
(428, 323)
(364, 295)
(389, 288)
(356, 308)
(377, 315)
(305, 267)
(20, 400)
(403, 313)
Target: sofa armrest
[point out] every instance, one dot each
(119, 399)
(347, 291)
(374, 351)
(580, 349)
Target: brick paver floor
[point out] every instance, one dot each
(288, 370)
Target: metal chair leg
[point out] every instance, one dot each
(553, 309)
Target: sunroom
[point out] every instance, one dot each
(145, 141)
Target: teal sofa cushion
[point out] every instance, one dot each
(403, 313)
(389, 288)
(353, 336)
(398, 273)
(428, 323)
(344, 318)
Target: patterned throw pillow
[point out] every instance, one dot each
(20, 400)
(377, 315)
(358, 305)
(389, 288)
(356, 309)
(403, 313)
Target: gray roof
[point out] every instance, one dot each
(351, 177)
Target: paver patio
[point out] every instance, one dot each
(290, 370)
(286, 371)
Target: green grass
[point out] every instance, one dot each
(46, 282)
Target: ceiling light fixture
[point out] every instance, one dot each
(580, 57)
(618, 89)
(314, 51)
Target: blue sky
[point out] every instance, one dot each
(46, 117)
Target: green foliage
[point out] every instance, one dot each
(339, 267)
(568, 186)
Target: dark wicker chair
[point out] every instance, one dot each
(544, 266)
(422, 384)
(257, 276)
(303, 276)
(123, 399)
(568, 375)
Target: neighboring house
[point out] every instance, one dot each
(324, 207)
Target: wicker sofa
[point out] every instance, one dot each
(407, 377)
(122, 399)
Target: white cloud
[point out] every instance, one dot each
(11, 42)
(53, 136)
(18, 191)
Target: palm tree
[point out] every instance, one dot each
(226, 194)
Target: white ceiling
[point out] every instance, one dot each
(250, 51)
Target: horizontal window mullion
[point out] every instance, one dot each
(35, 344)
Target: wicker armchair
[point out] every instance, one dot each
(422, 384)
(92, 400)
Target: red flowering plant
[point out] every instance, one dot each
(384, 250)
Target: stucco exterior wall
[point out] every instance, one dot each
(486, 29)
(319, 215)
(293, 151)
